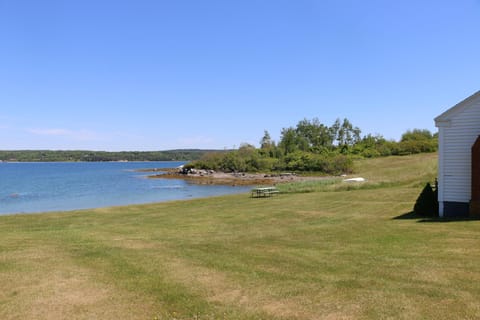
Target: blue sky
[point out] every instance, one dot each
(157, 75)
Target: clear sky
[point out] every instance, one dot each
(162, 74)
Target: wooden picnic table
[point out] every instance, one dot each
(264, 192)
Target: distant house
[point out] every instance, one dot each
(459, 159)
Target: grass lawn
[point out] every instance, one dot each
(334, 251)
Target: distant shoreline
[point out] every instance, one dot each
(80, 161)
(91, 156)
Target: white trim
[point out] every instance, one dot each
(447, 115)
(443, 124)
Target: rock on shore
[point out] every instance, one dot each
(234, 179)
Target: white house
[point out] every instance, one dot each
(459, 159)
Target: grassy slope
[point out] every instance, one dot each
(337, 253)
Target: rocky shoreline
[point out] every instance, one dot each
(223, 178)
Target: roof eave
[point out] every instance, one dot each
(442, 123)
(447, 115)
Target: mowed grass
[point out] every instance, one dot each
(339, 252)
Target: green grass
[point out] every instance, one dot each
(336, 252)
(379, 173)
(308, 185)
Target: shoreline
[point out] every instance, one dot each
(210, 177)
(87, 185)
(119, 206)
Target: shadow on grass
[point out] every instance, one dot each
(423, 219)
(408, 216)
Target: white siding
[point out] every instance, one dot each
(458, 139)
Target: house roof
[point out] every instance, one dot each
(450, 113)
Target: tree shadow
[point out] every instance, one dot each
(408, 216)
(423, 219)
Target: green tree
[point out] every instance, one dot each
(417, 135)
(288, 140)
(313, 135)
(267, 146)
(417, 141)
(345, 133)
(266, 142)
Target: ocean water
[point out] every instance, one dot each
(40, 187)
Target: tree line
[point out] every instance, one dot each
(316, 147)
(83, 155)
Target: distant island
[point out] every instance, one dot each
(89, 156)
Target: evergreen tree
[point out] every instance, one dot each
(266, 142)
(427, 203)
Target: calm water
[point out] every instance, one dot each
(39, 187)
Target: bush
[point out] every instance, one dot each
(416, 146)
(370, 153)
(427, 202)
(329, 164)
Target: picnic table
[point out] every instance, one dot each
(264, 192)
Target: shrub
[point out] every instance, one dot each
(329, 164)
(416, 146)
(427, 203)
(370, 153)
